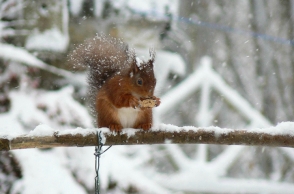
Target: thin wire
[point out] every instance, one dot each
(97, 154)
(236, 31)
(216, 26)
(106, 150)
(97, 162)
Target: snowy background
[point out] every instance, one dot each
(219, 63)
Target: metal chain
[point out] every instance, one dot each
(97, 154)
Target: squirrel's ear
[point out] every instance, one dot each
(132, 61)
(134, 66)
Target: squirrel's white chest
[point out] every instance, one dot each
(127, 117)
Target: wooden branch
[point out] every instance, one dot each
(187, 135)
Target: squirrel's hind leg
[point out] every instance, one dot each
(107, 116)
(145, 126)
(144, 119)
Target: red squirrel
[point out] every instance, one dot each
(117, 83)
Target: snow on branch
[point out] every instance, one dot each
(21, 55)
(45, 137)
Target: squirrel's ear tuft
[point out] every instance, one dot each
(152, 55)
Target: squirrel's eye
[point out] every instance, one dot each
(139, 81)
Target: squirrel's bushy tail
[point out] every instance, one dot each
(104, 56)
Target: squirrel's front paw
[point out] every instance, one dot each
(157, 101)
(133, 102)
